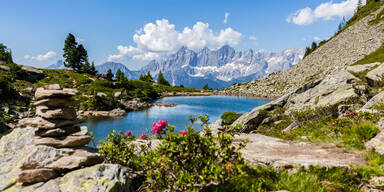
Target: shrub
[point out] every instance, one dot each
(100, 103)
(230, 117)
(184, 161)
(6, 88)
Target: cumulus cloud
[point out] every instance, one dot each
(253, 38)
(226, 17)
(324, 11)
(161, 38)
(43, 57)
(316, 38)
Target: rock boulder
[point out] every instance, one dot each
(41, 123)
(42, 93)
(60, 113)
(375, 76)
(68, 141)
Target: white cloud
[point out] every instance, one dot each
(226, 17)
(316, 38)
(161, 38)
(253, 38)
(43, 57)
(324, 11)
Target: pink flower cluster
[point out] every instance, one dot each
(183, 132)
(347, 112)
(143, 136)
(158, 127)
(128, 133)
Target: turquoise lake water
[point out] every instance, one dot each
(138, 121)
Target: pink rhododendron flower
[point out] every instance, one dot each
(347, 112)
(339, 119)
(183, 132)
(163, 123)
(128, 133)
(143, 136)
(332, 127)
(156, 128)
(355, 112)
(163, 156)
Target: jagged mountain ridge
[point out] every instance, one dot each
(103, 68)
(58, 65)
(219, 68)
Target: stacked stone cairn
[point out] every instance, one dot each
(60, 143)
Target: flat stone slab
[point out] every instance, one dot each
(41, 123)
(263, 150)
(69, 141)
(61, 159)
(98, 178)
(361, 68)
(378, 98)
(58, 132)
(36, 175)
(56, 102)
(61, 113)
(376, 143)
(375, 77)
(42, 93)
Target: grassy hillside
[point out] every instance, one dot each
(16, 91)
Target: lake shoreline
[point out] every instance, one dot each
(140, 121)
(257, 96)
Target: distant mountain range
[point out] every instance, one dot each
(58, 65)
(219, 68)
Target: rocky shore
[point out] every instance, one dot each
(171, 94)
(131, 105)
(50, 152)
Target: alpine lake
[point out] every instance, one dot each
(141, 121)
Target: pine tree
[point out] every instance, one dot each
(359, 5)
(86, 67)
(9, 59)
(122, 77)
(70, 52)
(82, 59)
(109, 75)
(161, 80)
(5, 54)
(307, 51)
(141, 78)
(76, 57)
(93, 69)
(206, 87)
(118, 75)
(314, 46)
(149, 77)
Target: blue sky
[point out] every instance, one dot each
(36, 30)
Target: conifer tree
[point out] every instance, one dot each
(206, 87)
(5, 54)
(118, 75)
(161, 80)
(93, 69)
(70, 52)
(149, 77)
(359, 5)
(109, 75)
(76, 57)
